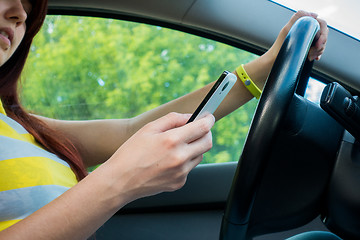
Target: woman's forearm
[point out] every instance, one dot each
(74, 215)
(257, 69)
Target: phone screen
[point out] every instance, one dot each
(215, 96)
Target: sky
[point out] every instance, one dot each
(343, 15)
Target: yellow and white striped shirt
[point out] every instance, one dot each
(30, 177)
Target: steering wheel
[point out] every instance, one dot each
(270, 114)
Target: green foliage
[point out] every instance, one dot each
(90, 68)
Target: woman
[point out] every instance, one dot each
(59, 206)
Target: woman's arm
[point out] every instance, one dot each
(98, 140)
(169, 150)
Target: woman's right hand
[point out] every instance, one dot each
(155, 159)
(160, 155)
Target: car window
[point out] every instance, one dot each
(314, 90)
(94, 68)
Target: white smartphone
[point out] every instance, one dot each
(215, 96)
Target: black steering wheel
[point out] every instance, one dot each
(270, 114)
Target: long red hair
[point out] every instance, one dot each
(9, 77)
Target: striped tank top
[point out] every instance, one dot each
(30, 177)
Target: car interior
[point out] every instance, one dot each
(299, 169)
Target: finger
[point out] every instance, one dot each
(323, 34)
(295, 17)
(169, 121)
(194, 130)
(201, 145)
(300, 14)
(319, 47)
(194, 162)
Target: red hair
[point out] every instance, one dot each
(9, 77)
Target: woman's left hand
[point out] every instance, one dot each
(319, 44)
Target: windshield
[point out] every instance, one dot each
(342, 15)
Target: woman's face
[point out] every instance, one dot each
(13, 14)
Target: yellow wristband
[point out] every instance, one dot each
(249, 84)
